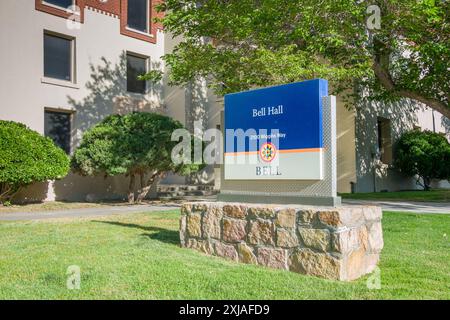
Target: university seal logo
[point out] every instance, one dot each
(268, 152)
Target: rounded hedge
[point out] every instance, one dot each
(134, 144)
(27, 157)
(424, 154)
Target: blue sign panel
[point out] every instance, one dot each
(294, 112)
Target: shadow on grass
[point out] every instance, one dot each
(155, 233)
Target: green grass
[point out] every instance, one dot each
(419, 196)
(66, 205)
(137, 257)
(48, 206)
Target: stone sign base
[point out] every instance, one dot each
(341, 243)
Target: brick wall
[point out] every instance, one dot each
(114, 8)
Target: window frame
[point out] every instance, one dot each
(43, 6)
(150, 35)
(148, 20)
(147, 68)
(69, 113)
(73, 73)
(384, 142)
(46, 3)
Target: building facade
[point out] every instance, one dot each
(67, 64)
(378, 127)
(64, 70)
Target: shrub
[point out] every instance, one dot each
(136, 145)
(425, 155)
(27, 157)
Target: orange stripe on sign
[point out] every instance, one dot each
(280, 151)
(300, 150)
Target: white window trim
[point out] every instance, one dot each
(72, 83)
(140, 32)
(61, 83)
(148, 26)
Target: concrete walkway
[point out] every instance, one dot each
(85, 212)
(414, 207)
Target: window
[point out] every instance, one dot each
(384, 140)
(63, 8)
(137, 16)
(136, 19)
(136, 66)
(59, 3)
(58, 57)
(57, 126)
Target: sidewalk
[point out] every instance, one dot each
(413, 207)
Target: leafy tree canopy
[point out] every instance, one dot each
(27, 157)
(424, 154)
(240, 44)
(136, 144)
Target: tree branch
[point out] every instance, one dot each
(15, 192)
(381, 70)
(4, 193)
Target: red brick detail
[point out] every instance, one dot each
(116, 8)
(154, 27)
(41, 6)
(111, 6)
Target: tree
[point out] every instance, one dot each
(137, 145)
(27, 157)
(393, 48)
(425, 155)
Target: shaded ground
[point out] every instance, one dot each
(403, 196)
(137, 256)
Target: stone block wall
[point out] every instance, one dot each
(335, 243)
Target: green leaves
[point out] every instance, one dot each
(425, 154)
(27, 157)
(153, 76)
(134, 143)
(240, 44)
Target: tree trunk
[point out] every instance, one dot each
(426, 184)
(14, 193)
(8, 192)
(145, 187)
(131, 188)
(142, 180)
(4, 190)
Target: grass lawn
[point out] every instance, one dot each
(137, 257)
(63, 205)
(48, 206)
(420, 196)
